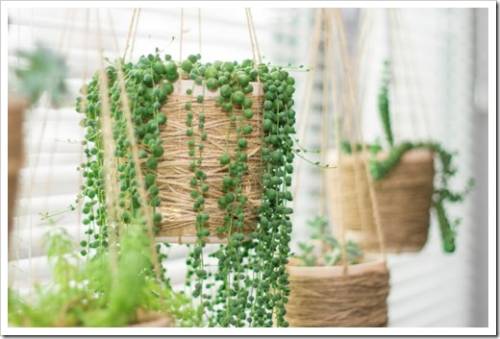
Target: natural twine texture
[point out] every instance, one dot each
(174, 175)
(325, 296)
(404, 200)
(16, 152)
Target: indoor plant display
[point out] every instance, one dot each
(333, 284)
(405, 186)
(215, 153)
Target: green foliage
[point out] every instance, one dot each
(97, 293)
(250, 285)
(331, 251)
(41, 71)
(346, 147)
(384, 105)
(442, 193)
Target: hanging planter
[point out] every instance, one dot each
(337, 285)
(405, 185)
(16, 149)
(404, 197)
(174, 172)
(324, 296)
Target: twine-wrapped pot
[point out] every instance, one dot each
(16, 152)
(326, 296)
(404, 200)
(174, 175)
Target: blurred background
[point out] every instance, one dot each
(439, 59)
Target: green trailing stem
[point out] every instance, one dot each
(249, 286)
(384, 105)
(442, 193)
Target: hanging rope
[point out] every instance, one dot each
(199, 30)
(114, 38)
(306, 106)
(359, 136)
(339, 184)
(253, 38)
(134, 36)
(324, 110)
(146, 209)
(420, 122)
(129, 35)
(109, 166)
(257, 47)
(181, 35)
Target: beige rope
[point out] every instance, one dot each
(109, 166)
(257, 47)
(306, 106)
(373, 197)
(146, 209)
(324, 119)
(336, 126)
(113, 33)
(134, 36)
(181, 35)
(250, 33)
(199, 30)
(129, 35)
(423, 123)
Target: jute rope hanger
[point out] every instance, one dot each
(420, 121)
(355, 105)
(109, 169)
(63, 41)
(305, 109)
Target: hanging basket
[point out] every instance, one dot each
(16, 149)
(174, 175)
(404, 200)
(326, 296)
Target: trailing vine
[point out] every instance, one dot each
(249, 286)
(442, 194)
(379, 169)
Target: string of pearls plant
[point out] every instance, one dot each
(249, 286)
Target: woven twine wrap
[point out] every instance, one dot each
(404, 200)
(323, 296)
(16, 153)
(174, 175)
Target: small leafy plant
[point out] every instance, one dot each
(100, 292)
(324, 249)
(41, 70)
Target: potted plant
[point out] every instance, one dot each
(335, 284)
(215, 153)
(405, 186)
(102, 291)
